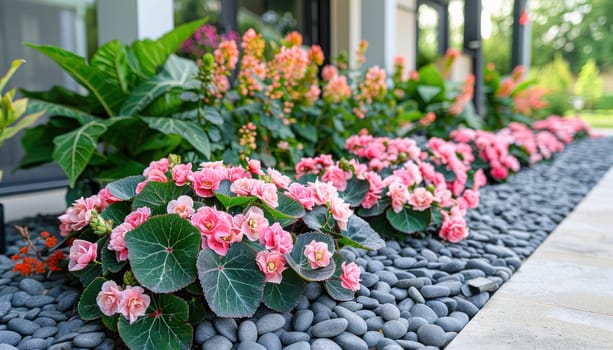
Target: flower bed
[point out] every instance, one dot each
(541, 196)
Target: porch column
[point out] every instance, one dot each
(129, 20)
(520, 51)
(473, 47)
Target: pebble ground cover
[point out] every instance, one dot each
(414, 294)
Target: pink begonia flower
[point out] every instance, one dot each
(206, 181)
(81, 254)
(217, 229)
(157, 175)
(322, 192)
(301, 194)
(106, 198)
(181, 173)
(350, 278)
(454, 227)
(78, 215)
(183, 206)
(470, 198)
(427, 171)
(117, 241)
(255, 167)
(275, 238)
(317, 254)
(235, 173)
(500, 173)
(399, 195)
(252, 224)
(109, 298)
(443, 196)
(337, 177)
(243, 187)
(140, 186)
(479, 179)
(328, 72)
(340, 212)
(278, 179)
(159, 165)
(272, 264)
(133, 303)
(137, 217)
(267, 193)
(421, 199)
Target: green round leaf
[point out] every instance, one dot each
(88, 308)
(377, 209)
(359, 234)
(232, 284)
(125, 189)
(287, 212)
(333, 286)
(284, 296)
(163, 252)
(299, 262)
(315, 219)
(90, 273)
(111, 322)
(355, 192)
(156, 195)
(117, 212)
(164, 325)
(409, 221)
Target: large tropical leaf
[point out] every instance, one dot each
(190, 131)
(164, 325)
(20, 124)
(148, 55)
(232, 284)
(94, 80)
(163, 252)
(74, 149)
(12, 69)
(51, 108)
(177, 73)
(111, 59)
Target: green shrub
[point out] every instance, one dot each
(589, 84)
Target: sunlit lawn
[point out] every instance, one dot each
(602, 118)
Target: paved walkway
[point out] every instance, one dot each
(562, 296)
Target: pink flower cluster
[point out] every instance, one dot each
(117, 241)
(79, 215)
(131, 302)
(563, 128)
(465, 96)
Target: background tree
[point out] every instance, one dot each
(589, 84)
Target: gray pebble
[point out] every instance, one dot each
(368, 302)
(302, 320)
(410, 344)
(439, 308)
(329, 328)
(67, 300)
(387, 277)
(38, 301)
(481, 265)
(393, 347)
(389, 312)
(31, 286)
(61, 346)
(44, 332)
(19, 298)
(312, 290)
(204, 331)
(404, 262)
(385, 342)
(302, 345)
(5, 307)
(466, 307)
(432, 292)
(91, 327)
(372, 338)
(294, 337)
(55, 315)
(33, 344)
(9, 337)
(7, 347)
(382, 297)
(107, 344)
(395, 329)
(449, 324)
(431, 334)
(356, 324)
(270, 341)
(227, 327)
(415, 322)
(88, 340)
(218, 342)
(351, 341)
(423, 311)
(368, 279)
(324, 344)
(270, 323)
(22, 326)
(247, 331)
(416, 295)
(374, 266)
(250, 345)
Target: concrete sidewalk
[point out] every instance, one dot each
(562, 296)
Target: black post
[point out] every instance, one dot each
(520, 49)
(229, 16)
(316, 25)
(2, 231)
(443, 34)
(473, 47)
